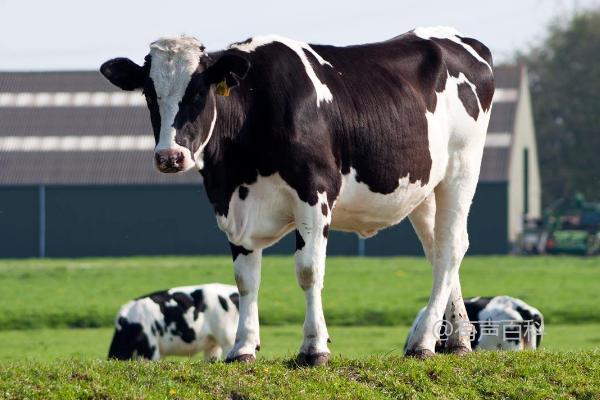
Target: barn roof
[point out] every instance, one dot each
(496, 155)
(70, 128)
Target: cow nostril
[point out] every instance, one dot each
(170, 160)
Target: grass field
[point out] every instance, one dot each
(367, 292)
(491, 375)
(57, 316)
(276, 341)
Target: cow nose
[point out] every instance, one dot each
(169, 160)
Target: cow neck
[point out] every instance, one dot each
(226, 159)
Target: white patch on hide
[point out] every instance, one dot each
(323, 92)
(445, 32)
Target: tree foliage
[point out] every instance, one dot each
(564, 73)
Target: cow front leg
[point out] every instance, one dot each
(312, 229)
(423, 221)
(247, 276)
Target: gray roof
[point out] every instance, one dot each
(86, 168)
(503, 117)
(134, 166)
(507, 76)
(50, 121)
(495, 162)
(56, 81)
(494, 165)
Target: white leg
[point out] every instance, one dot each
(459, 342)
(247, 277)
(213, 353)
(423, 221)
(311, 241)
(453, 198)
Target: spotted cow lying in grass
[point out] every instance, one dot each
(499, 323)
(180, 321)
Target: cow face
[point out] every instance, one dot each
(178, 80)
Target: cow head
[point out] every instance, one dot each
(178, 79)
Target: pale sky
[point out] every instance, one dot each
(81, 34)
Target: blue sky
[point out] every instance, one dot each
(67, 34)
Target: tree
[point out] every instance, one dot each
(564, 73)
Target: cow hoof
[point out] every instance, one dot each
(421, 354)
(459, 350)
(242, 358)
(312, 360)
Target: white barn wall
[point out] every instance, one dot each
(523, 138)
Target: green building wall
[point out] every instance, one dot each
(84, 221)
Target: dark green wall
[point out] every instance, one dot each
(129, 220)
(19, 221)
(488, 225)
(488, 220)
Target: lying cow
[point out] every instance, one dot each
(499, 323)
(294, 137)
(181, 321)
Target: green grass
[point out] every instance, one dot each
(358, 292)
(369, 304)
(490, 375)
(277, 341)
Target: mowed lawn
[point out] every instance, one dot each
(369, 302)
(276, 341)
(490, 375)
(358, 291)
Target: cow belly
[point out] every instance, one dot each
(173, 345)
(262, 217)
(360, 210)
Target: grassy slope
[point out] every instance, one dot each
(277, 341)
(489, 375)
(88, 292)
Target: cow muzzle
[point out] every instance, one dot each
(170, 161)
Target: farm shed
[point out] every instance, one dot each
(76, 177)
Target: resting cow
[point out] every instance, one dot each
(499, 323)
(306, 138)
(181, 321)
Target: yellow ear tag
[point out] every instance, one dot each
(222, 88)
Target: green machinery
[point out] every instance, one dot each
(572, 226)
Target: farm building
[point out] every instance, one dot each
(76, 177)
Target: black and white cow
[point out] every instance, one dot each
(181, 321)
(499, 323)
(291, 136)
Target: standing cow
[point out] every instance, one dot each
(177, 322)
(291, 136)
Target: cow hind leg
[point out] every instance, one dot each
(312, 229)
(213, 352)
(247, 276)
(453, 198)
(423, 222)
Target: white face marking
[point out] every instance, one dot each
(174, 60)
(445, 32)
(323, 92)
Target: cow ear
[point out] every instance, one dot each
(124, 73)
(229, 69)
